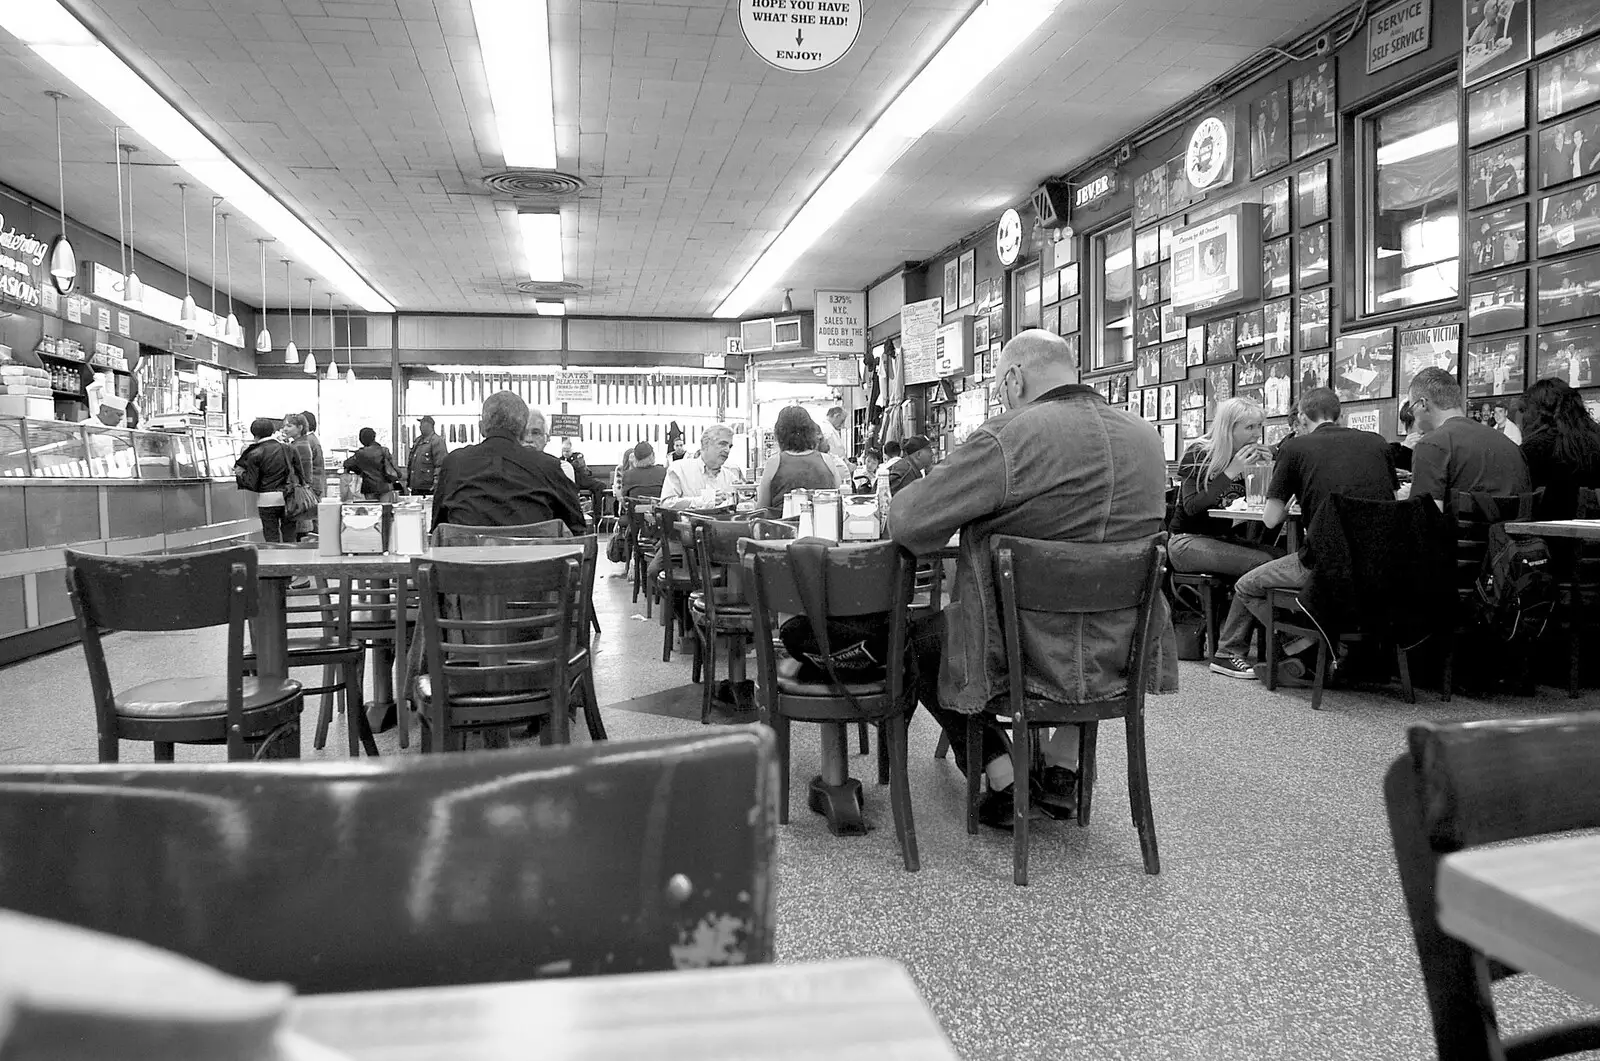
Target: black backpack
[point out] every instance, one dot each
(1516, 589)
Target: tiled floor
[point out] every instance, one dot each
(1275, 929)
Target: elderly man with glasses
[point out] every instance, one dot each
(703, 481)
(500, 482)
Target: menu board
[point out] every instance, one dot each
(919, 329)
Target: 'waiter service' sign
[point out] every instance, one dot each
(801, 35)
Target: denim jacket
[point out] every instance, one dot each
(1065, 467)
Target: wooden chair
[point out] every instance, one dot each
(1463, 785)
(718, 606)
(413, 871)
(498, 650)
(1577, 589)
(383, 620)
(676, 580)
(861, 579)
(1475, 514)
(644, 538)
(1211, 591)
(186, 592)
(456, 533)
(1074, 578)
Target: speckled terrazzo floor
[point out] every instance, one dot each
(1275, 929)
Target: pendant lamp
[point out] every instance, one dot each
(188, 315)
(333, 345)
(63, 261)
(264, 340)
(132, 288)
(788, 303)
(349, 349)
(311, 338)
(230, 328)
(216, 201)
(122, 228)
(291, 353)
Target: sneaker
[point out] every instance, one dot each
(1233, 667)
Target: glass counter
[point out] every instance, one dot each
(188, 456)
(56, 449)
(155, 451)
(111, 454)
(13, 450)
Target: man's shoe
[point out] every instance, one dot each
(1055, 790)
(998, 809)
(1233, 667)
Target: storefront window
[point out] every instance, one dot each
(1412, 224)
(1113, 262)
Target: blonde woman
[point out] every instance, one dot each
(1211, 475)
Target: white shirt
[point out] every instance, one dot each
(1512, 431)
(836, 443)
(566, 469)
(688, 480)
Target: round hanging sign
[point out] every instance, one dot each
(800, 35)
(1008, 237)
(1209, 153)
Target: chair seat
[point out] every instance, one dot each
(326, 645)
(200, 697)
(800, 685)
(424, 688)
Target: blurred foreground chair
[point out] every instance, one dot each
(190, 591)
(412, 871)
(1463, 785)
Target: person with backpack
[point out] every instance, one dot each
(373, 462)
(268, 467)
(1458, 455)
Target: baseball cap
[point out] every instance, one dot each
(424, 419)
(912, 445)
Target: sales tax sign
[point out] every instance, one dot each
(800, 35)
(566, 425)
(574, 387)
(841, 322)
(1398, 32)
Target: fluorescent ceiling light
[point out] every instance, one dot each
(541, 246)
(514, 36)
(551, 309)
(66, 44)
(990, 33)
(1438, 138)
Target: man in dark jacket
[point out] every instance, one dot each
(499, 482)
(916, 457)
(427, 453)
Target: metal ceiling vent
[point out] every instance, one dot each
(549, 288)
(539, 184)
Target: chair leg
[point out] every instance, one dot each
(354, 699)
(1448, 679)
(1403, 661)
(1088, 740)
(591, 707)
(707, 647)
(974, 769)
(883, 749)
(1270, 656)
(110, 748)
(1574, 674)
(560, 721)
(780, 731)
(893, 733)
(1322, 674)
(697, 668)
(1207, 610)
(1139, 792)
(324, 712)
(862, 731)
(943, 750)
(1021, 761)
(666, 627)
(163, 751)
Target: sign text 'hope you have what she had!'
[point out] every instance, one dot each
(800, 35)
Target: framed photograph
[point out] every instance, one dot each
(1192, 424)
(1275, 432)
(1497, 110)
(1275, 209)
(1250, 368)
(1313, 115)
(1219, 385)
(1172, 324)
(1569, 81)
(1255, 392)
(1252, 328)
(1147, 286)
(1150, 400)
(980, 333)
(1269, 132)
(1497, 303)
(1569, 289)
(1119, 390)
(1169, 442)
(1311, 193)
(1150, 195)
(1420, 348)
(1571, 355)
(968, 279)
(1147, 246)
(1313, 317)
(952, 285)
(1276, 333)
(1279, 386)
(1363, 365)
(1164, 270)
(997, 325)
(1497, 366)
(1221, 342)
(1275, 273)
(1496, 35)
(1069, 317)
(1311, 370)
(1050, 287)
(1146, 326)
(1147, 367)
(1179, 193)
(1559, 22)
(1569, 220)
(1569, 150)
(1051, 320)
(1315, 265)
(1169, 402)
(1497, 173)
(1499, 238)
(1192, 394)
(1069, 280)
(1173, 365)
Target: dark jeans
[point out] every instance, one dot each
(1199, 554)
(924, 649)
(277, 527)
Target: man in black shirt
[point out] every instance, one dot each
(1326, 459)
(500, 482)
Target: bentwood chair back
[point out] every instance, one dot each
(644, 536)
(189, 591)
(1474, 515)
(1074, 578)
(412, 871)
(1463, 785)
(857, 580)
(718, 606)
(498, 641)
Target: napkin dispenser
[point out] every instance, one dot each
(363, 528)
(860, 520)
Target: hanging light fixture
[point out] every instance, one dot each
(333, 345)
(291, 353)
(230, 328)
(788, 303)
(132, 288)
(311, 338)
(188, 314)
(349, 349)
(216, 201)
(122, 229)
(63, 261)
(264, 340)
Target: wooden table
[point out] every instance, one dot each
(1584, 529)
(274, 568)
(1534, 906)
(827, 1011)
(1291, 520)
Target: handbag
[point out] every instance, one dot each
(617, 548)
(299, 500)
